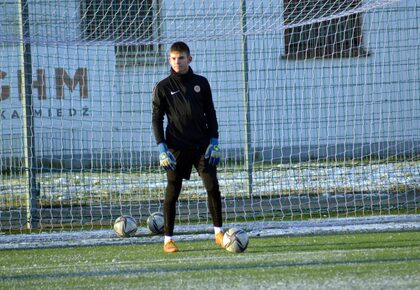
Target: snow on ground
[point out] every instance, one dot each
(204, 231)
(313, 177)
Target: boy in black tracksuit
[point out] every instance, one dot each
(190, 138)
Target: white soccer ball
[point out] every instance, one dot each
(125, 226)
(155, 223)
(235, 240)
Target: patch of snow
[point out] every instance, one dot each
(195, 232)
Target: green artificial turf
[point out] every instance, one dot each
(388, 260)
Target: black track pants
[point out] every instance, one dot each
(208, 174)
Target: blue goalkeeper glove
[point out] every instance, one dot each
(166, 159)
(213, 152)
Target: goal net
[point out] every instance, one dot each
(317, 101)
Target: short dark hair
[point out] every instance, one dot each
(180, 46)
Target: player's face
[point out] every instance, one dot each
(179, 61)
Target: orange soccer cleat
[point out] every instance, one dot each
(170, 247)
(218, 238)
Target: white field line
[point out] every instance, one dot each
(204, 232)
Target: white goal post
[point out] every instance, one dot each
(317, 101)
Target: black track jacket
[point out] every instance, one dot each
(187, 101)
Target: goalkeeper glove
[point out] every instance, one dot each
(166, 159)
(213, 152)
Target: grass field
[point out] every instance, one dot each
(389, 260)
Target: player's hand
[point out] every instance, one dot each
(166, 159)
(213, 152)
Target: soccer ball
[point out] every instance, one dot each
(155, 222)
(125, 226)
(235, 240)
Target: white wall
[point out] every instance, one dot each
(294, 103)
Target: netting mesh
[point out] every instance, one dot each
(318, 107)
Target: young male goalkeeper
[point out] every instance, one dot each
(190, 138)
